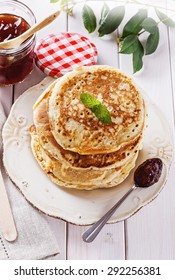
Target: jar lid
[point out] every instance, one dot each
(56, 55)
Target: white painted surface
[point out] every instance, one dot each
(149, 234)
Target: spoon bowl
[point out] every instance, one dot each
(146, 175)
(16, 42)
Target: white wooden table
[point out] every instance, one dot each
(150, 233)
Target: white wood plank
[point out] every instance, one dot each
(6, 96)
(60, 230)
(171, 4)
(150, 232)
(32, 79)
(110, 243)
(41, 9)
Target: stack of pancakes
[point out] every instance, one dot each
(73, 147)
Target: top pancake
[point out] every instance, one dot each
(72, 159)
(77, 129)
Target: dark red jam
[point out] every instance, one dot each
(15, 64)
(148, 173)
(11, 26)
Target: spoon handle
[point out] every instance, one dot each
(89, 235)
(39, 26)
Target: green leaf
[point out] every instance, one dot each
(112, 21)
(138, 58)
(99, 110)
(150, 25)
(152, 42)
(89, 19)
(89, 100)
(105, 10)
(133, 26)
(70, 11)
(129, 44)
(61, 2)
(102, 113)
(164, 18)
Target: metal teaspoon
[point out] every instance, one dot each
(146, 174)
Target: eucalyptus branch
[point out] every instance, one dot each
(130, 41)
(146, 5)
(142, 4)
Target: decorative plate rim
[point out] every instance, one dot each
(42, 85)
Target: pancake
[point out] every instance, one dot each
(66, 176)
(75, 160)
(73, 147)
(76, 128)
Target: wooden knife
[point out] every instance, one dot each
(7, 223)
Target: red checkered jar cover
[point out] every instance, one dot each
(58, 54)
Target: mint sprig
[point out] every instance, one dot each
(99, 110)
(102, 113)
(89, 100)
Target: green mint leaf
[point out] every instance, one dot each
(152, 42)
(112, 21)
(129, 44)
(164, 18)
(149, 25)
(133, 26)
(102, 113)
(105, 10)
(99, 110)
(89, 100)
(137, 58)
(89, 19)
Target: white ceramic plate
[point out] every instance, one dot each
(76, 206)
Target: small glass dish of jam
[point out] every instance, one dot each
(16, 63)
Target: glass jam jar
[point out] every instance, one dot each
(15, 63)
